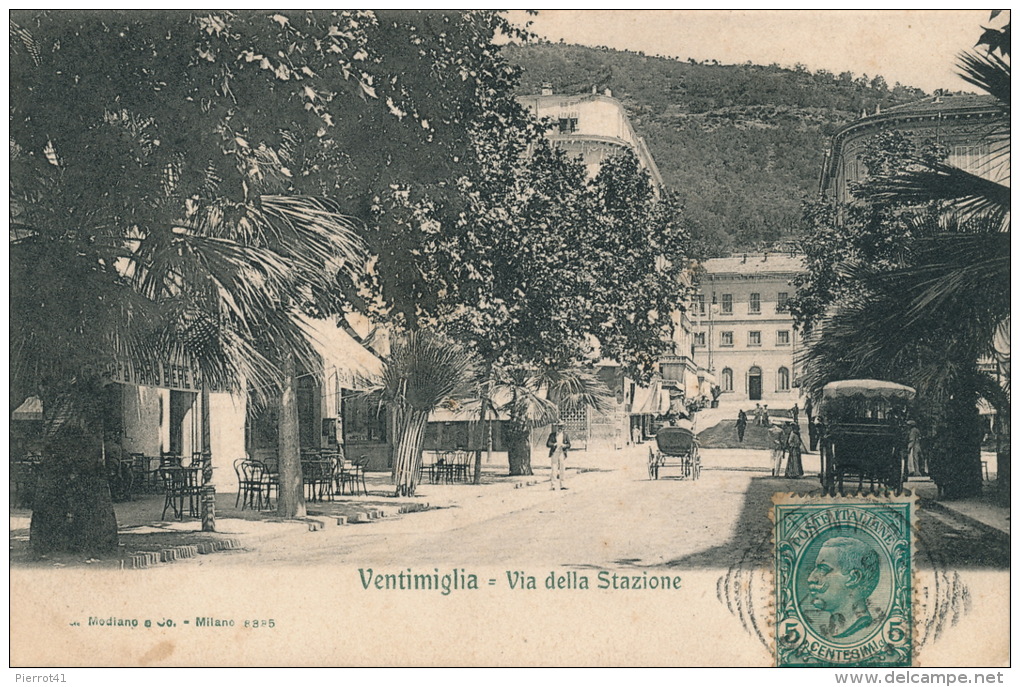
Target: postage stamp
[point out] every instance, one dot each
(843, 581)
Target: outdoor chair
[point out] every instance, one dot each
(353, 474)
(317, 475)
(174, 490)
(251, 482)
(267, 481)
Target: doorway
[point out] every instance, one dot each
(754, 383)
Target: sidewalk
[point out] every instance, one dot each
(989, 512)
(146, 539)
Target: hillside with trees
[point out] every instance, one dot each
(740, 144)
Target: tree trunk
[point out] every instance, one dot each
(291, 499)
(412, 436)
(518, 445)
(955, 458)
(478, 449)
(1002, 432)
(72, 506)
(208, 495)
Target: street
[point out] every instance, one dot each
(611, 515)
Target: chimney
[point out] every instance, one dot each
(547, 89)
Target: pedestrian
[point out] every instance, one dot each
(635, 434)
(741, 425)
(913, 449)
(757, 414)
(559, 444)
(765, 421)
(794, 444)
(795, 412)
(812, 426)
(776, 445)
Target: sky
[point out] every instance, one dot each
(915, 47)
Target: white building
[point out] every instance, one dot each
(593, 127)
(743, 331)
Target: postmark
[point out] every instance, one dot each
(843, 581)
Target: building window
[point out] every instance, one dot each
(568, 125)
(754, 304)
(726, 338)
(781, 299)
(699, 303)
(754, 338)
(783, 337)
(727, 304)
(783, 383)
(972, 159)
(699, 339)
(364, 418)
(727, 379)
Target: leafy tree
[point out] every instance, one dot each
(174, 194)
(539, 269)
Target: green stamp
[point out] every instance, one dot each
(843, 581)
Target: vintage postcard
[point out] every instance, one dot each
(476, 338)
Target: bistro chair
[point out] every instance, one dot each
(353, 474)
(174, 490)
(459, 464)
(270, 481)
(317, 475)
(250, 483)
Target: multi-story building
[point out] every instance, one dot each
(744, 339)
(973, 128)
(592, 126)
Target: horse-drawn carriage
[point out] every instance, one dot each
(864, 435)
(675, 447)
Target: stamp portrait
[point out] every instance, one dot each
(843, 581)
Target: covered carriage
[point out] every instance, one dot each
(676, 447)
(863, 435)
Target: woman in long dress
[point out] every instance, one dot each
(794, 466)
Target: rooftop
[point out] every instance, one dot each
(755, 263)
(943, 103)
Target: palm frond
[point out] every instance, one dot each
(424, 370)
(965, 193)
(989, 72)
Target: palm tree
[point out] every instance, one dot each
(535, 397)
(205, 282)
(423, 372)
(929, 321)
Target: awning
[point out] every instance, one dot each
(867, 388)
(354, 365)
(31, 409)
(650, 400)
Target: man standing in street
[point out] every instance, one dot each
(811, 428)
(558, 444)
(741, 425)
